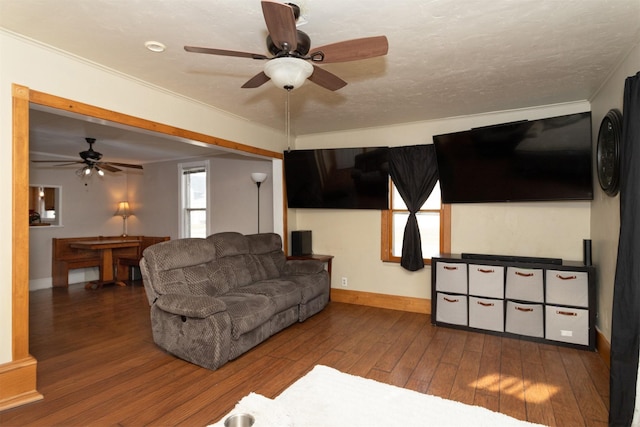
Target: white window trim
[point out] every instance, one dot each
(181, 196)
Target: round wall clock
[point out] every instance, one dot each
(608, 152)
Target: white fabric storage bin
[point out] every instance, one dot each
(451, 277)
(568, 288)
(525, 284)
(569, 325)
(486, 313)
(524, 319)
(486, 280)
(452, 309)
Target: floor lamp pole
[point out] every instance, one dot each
(258, 178)
(258, 184)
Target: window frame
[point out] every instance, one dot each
(387, 229)
(183, 195)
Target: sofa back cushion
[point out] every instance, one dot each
(181, 266)
(211, 266)
(251, 258)
(232, 258)
(266, 250)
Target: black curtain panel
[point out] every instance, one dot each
(625, 328)
(414, 171)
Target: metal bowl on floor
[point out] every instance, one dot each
(239, 420)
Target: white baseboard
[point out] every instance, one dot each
(37, 284)
(79, 275)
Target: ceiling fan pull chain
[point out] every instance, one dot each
(287, 120)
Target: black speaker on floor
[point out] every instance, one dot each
(586, 251)
(301, 243)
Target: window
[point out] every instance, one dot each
(434, 219)
(194, 201)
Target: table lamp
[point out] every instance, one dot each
(124, 211)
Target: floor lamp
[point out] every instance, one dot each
(258, 178)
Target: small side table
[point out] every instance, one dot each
(322, 258)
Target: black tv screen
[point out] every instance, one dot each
(341, 178)
(539, 160)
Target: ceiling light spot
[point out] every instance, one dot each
(154, 46)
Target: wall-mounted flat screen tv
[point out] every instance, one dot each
(538, 160)
(341, 178)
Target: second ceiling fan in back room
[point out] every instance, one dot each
(293, 60)
(91, 160)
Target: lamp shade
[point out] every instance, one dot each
(123, 210)
(288, 73)
(258, 177)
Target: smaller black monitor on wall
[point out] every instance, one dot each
(340, 178)
(537, 160)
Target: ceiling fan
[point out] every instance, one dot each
(91, 160)
(291, 63)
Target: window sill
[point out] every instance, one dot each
(396, 260)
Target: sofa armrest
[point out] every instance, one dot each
(303, 266)
(200, 306)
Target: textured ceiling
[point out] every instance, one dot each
(446, 57)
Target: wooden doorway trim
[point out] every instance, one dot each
(18, 377)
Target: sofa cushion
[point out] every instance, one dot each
(269, 258)
(283, 294)
(299, 266)
(233, 252)
(235, 269)
(229, 243)
(200, 306)
(311, 285)
(247, 311)
(179, 266)
(179, 253)
(264, 243)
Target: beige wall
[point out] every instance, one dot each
(553, 230)
(530, 229)
(605, 216)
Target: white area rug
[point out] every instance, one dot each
(326, 397)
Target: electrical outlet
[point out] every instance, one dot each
(344, 282)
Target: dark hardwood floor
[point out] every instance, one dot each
(98, 365)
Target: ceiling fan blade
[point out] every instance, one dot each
(256, 81)
(122, 165)
(351, 50)
(107, 167)
(281, 24)
(326, 79)
(223, 52)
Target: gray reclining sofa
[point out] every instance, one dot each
(213, 299)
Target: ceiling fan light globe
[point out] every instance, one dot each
(288, 72)
(87, 170)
